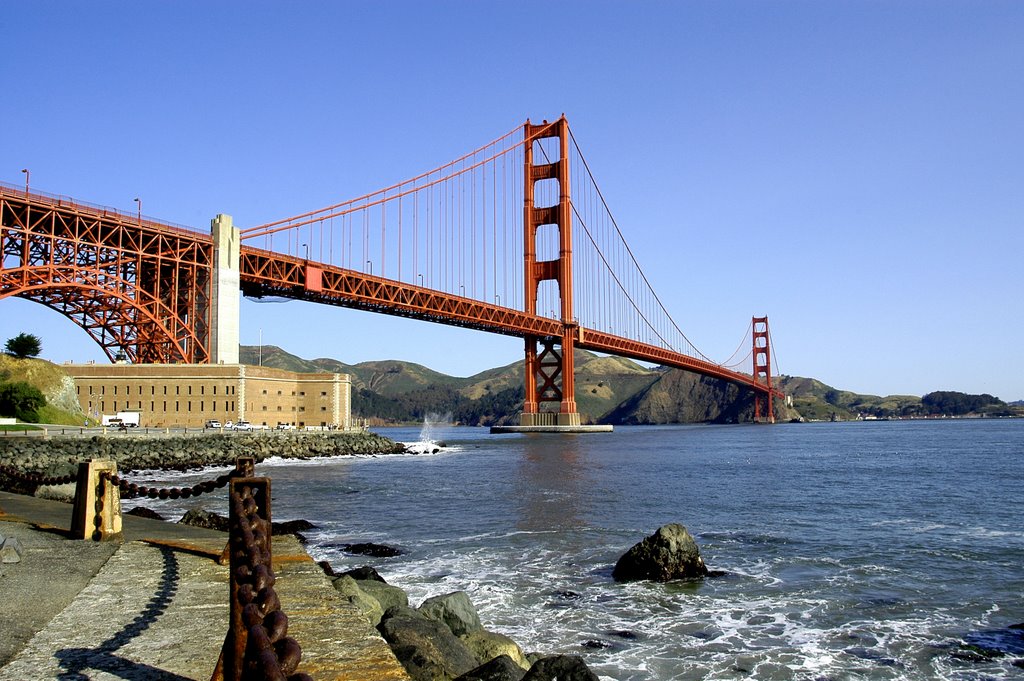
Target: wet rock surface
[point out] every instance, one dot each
(669, 553)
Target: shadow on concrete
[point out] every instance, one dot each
(75, 661)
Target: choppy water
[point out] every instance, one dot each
(858, 550)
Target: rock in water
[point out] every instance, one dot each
(669, 553)
(207, 519)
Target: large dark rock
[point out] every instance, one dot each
(371, 549)
(290, 527)
(143, 512)
(427, 649)
(560, 668)
(365, 572)
(501, 668)
(207, 519)
(669, 553)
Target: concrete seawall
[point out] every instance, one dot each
(156, 605)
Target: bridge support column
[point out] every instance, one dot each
(762, 368)
(226, 303)
(549, 371)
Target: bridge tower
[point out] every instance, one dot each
(549, 360)
(762, 367)
(225, 299)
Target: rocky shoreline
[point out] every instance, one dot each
(59, 456)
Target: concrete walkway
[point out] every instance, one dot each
(156, 606)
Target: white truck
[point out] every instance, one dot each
(127, 419)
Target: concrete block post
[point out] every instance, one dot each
(97, 510)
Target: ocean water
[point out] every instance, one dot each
(888, 550)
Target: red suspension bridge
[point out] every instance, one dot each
(513, 238)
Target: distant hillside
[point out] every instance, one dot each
(611, 390)
(608, 390)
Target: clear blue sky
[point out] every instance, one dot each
(854, 170)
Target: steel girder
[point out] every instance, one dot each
(140, 289)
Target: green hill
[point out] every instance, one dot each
(612, 390)
(58, 388)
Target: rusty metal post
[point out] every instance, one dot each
(245, 466)
(97, 508)
(250, 547)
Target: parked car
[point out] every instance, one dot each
(285, 426)
(212, 423)
(243, 425)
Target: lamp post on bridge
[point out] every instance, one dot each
(306, 247)
(139, 201)
(27, 175)
(369, 264)
(421, 279)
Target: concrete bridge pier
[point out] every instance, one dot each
(226, 295)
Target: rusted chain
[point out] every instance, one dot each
(37, 478)
(269, 653)
(131, 489)
(244, 466)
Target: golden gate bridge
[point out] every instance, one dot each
(513, 238)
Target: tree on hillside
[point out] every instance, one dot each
(954, 403)
(21, 401)
(24, 345)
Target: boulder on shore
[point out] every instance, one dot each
(455, 610)
(427, 649)
(669, 553)
(560, 668)
(501, 668)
